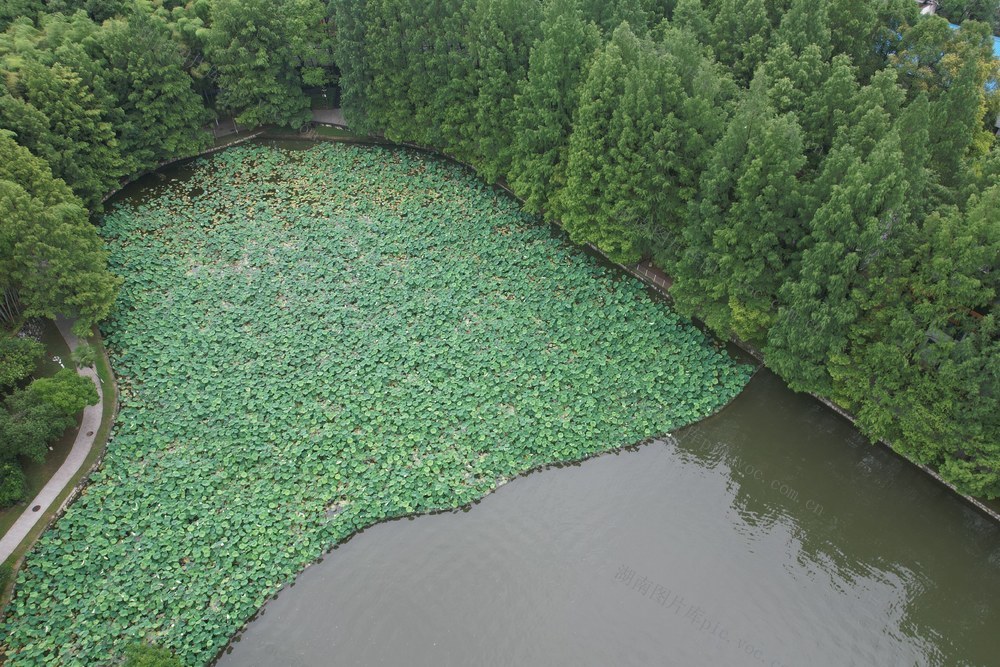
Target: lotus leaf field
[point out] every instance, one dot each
(311, 341)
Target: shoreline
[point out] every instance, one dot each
(646, 272)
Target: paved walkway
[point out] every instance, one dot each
(92, 416)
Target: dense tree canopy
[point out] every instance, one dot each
(739, 248)
(959, 11)
(818, 177)
(50, 254)
(162, 112)
(546, 101)
(18, 357)
(501, 35)
(51, 263)
(265, 51)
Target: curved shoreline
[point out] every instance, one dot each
(630, 270)
(644, 271)
(95, 520)
(665, 438)
(166, 163)
(662, 287)
(651, 276)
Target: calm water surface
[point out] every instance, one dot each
(771, 534)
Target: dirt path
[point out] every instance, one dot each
(92, 416)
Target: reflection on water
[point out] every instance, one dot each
(771, 534)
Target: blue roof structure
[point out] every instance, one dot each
(996, 41)
(990, 85)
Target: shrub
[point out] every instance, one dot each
(18, 357)
(85, 355)
(13, 486)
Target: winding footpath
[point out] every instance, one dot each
(63, 477)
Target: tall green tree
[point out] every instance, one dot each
(742, 36)
(807, 23)
(262, 51)
(651, 109)
(871, 115)
(595, 206)
(97, 10)
(894, 19)
(188, 26)
(546, 102)
(741, 241)
(609, 15)
(924, 360)
(55, 115)
(959, 11)
(852, 234)
(501, 34)
(71, 41)
(691, 16)
(697, 117)
(351, 19)
(422, 87)
(50, 254)
(914, 131)
(18, 358)
(869, 32)
(19, 9)
(929, 54)
(960, 135)
(852, 24)
(821, 93)
(162, 113)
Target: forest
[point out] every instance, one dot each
(821, 180)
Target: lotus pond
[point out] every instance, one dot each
(311, 341)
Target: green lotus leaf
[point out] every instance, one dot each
(341, 327)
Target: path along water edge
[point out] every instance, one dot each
(42, 503)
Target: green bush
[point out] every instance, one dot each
(85, 355)
(13, 486)
(67, 391)
(36, 416)
(18, 357)
(150, 655)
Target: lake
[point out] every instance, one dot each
(769, 534)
